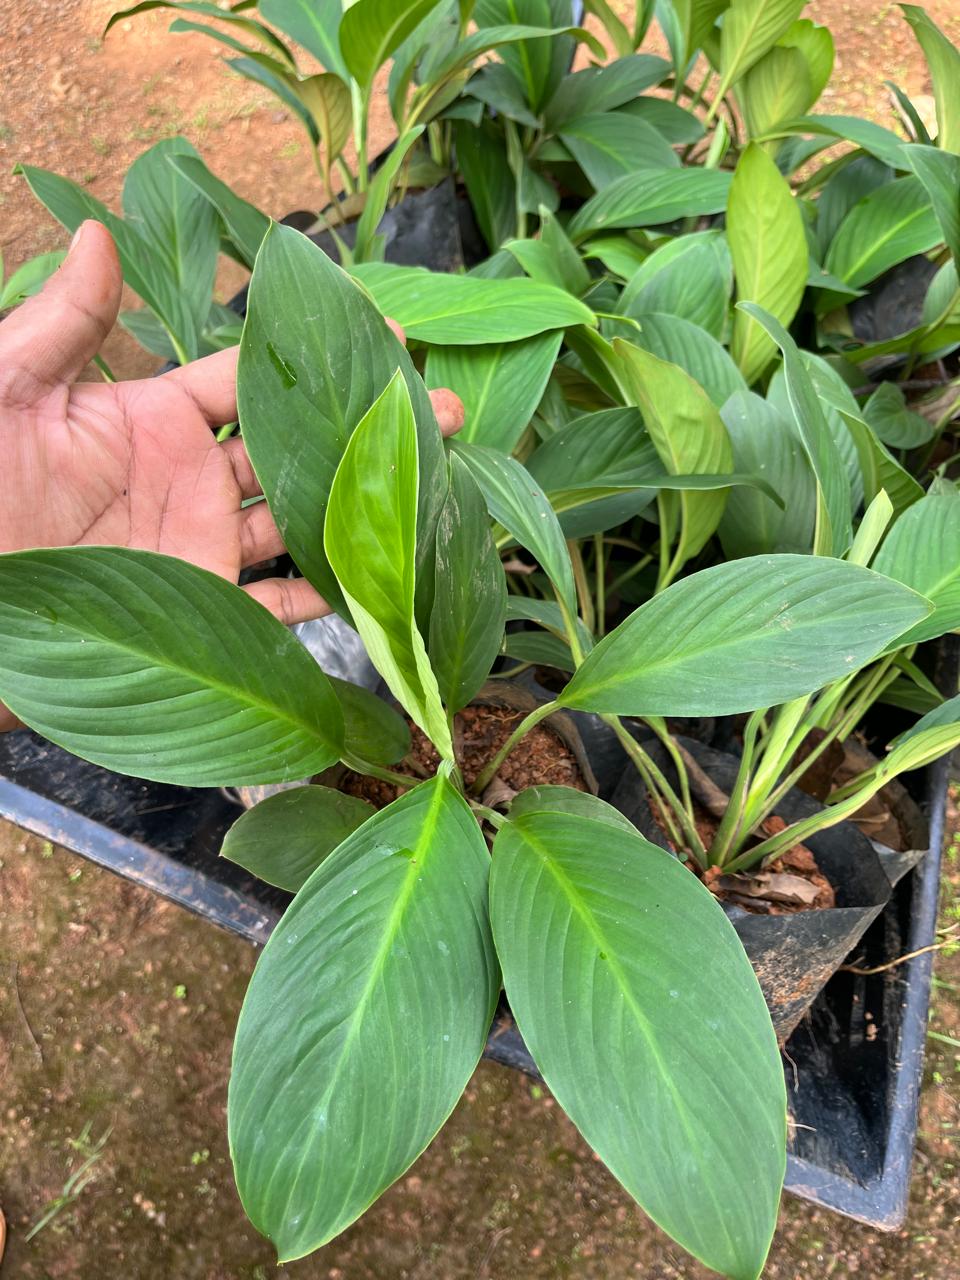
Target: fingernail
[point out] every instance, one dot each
(76, 237)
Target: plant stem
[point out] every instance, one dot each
(490, 815)
(489, 772)
(637, 567)
(728, 832)
(376, 771)
(346, 177)
(648, 770)
(600, 579)
(584, 597)
(659, 727)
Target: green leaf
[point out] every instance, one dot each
(552, 259)
(371, 30)
(328, 100)
(489, 182)
(372, 729)
(370, 537)
(620, 37)
(462, 310)
(313, 23)
(470, 600)
(517, 502)
(528, 60)
(943, 61)
(776, 88)
(244, 223)
(607, 146)
(651, 197)
(768, 444)
(547, 614)
(473, 45)
(283, 86)
(284, 838)
(939, 171)
(688, 434)
(389, 981)
(378, 196)
(500, 385)
(176, 674)
(690, 276)
(922, 551)
(675, 123)
(893, 223)
(770, 257)
(750, 28)
(497, 86)
(603, 88)
(742, 635)
(880, 470)
(232, 17)
(30, 278)
(315, 355)
(671, 338)
(887, 414)
(696, 20)
(884, 144)
(586, 917)
(816, 45)
(834, 528)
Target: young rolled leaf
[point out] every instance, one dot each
(150, 666)
(285, 837)
(500, 385)
(370, 537)
(470, 595)
(686, 1108)
(893, 223)
(922, 550)
(517, 502)
(770, 256)
(834, 527)
(446, 309)
(314, 357)
(388, 981)
(688, 434)
(651, 197)
(746, 634)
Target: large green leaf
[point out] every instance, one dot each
(816, 45)
(770, 256)
(922, 550)
(897, 426)
(470, 598)
(490, 184)
(603, 88)
(776, 88)
(685, 1105)
(244, 223)
(696, 19)
(651, 197)
(879, 468)
(690, 276)
(313, 23)
(315, 355)
(884, 144)
(151, 666)
(551, 258)
(675, 123)
(688, 434)
(943, 60)
(606, 146)
(500, 385)
(672, 338)
(765, 442)
(461, 310)
(530, 61)
(372, 729)
(517, 502)
(750, 28)
(750, 633)
(842, 191)
(370, 537)
(497, 86)
(939, 171)
(834, 528)
(285, 837)
(371, 30)
(364, 1020)
(891, 224)
(235, 19)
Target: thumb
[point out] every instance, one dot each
(51, 338)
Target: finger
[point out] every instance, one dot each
(243, 471)
(449, 410)
(259, 536)
(211, 383)
(49, 340)
(398, 330)
(291, 600)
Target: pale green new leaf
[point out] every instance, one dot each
(922, 550)
(500, 385)
(770, 256)
(29, 278)
(816, 44)
(462, 310)
(285, 837)
(750, 28)
(370, 537)
(364, 1020)
(680, 342)
(687, 1108)
(943, 60)
(776, 88)
(742, 635)
(150, 666)
(696, 19)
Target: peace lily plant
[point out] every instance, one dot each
(372, 1000)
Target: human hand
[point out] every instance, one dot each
(132, 464)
